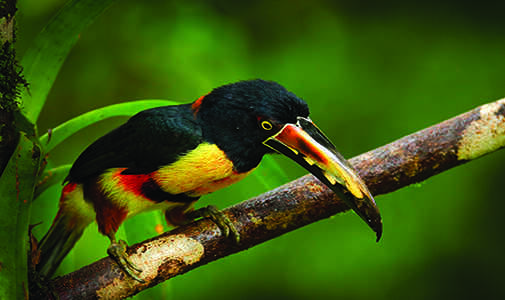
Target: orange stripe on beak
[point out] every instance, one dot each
(298, 140)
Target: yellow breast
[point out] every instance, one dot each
(200, 171)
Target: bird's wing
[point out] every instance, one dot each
(150, 139)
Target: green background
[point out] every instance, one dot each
(371, 72)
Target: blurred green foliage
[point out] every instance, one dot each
(371, 73)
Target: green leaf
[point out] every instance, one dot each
(44, 58)
(50, 178)
(63, 131)
(16, 191)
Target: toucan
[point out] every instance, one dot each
(167, 157)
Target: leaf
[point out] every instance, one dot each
(63, 131)
(44, 58)
(50, 178)
(16, 189)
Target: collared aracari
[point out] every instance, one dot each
(167, 157)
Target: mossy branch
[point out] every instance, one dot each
(11, 82)
(406, 161)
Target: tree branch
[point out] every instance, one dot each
(406, 161)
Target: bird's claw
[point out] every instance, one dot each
(218, 217)
(117, 251)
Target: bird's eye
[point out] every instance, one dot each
(266, 125)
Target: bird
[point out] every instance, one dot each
(168, 157)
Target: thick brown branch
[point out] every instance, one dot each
(298, 203)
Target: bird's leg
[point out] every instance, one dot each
(117, 251)
(181, 216)
(221, 220)
(178, 216)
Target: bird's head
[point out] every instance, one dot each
(249, 119)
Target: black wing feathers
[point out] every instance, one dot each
(148, 140)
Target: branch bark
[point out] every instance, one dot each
(406, 161)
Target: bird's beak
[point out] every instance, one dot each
(304, 143)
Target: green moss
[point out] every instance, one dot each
(7, 8)
(11, 80)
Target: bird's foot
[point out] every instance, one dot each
(117, 251)
(218, 217)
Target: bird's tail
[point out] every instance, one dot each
(74, 215)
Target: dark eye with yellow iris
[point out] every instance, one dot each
(266, 125)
